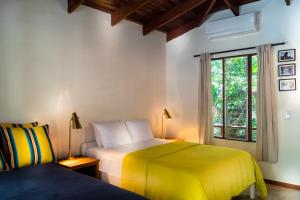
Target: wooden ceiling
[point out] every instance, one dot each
(174, 17)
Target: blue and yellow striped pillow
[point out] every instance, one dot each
(14, 125)
(28, 146)
(3, 164)
(3, 143)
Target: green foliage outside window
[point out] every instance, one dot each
(254, 92)
(236, 97)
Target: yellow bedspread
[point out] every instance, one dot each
(190, 171)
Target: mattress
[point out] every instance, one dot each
(112, 158)
(51, 181)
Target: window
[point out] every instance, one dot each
(234, 81)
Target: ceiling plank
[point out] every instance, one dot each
(127, 10)
(170, 15)
(233, 6)
(288, 2)
(73, 5)
(192, 24)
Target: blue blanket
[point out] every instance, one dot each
(54, 182)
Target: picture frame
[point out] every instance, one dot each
(287, 84)
(287, 55)
(287, 70)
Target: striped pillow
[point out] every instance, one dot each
(3, 164)
(13, 125)
(28, 146)
(3, 143)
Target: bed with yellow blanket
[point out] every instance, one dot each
(190, 171)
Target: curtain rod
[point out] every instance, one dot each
(242, 49)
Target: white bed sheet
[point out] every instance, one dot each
(111, 159)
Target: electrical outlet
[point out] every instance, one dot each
(287, 116)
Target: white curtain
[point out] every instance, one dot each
(205, 122)
(266, 110)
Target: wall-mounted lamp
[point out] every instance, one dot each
(73, 124)
(167, 115)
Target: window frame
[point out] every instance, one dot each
(249, 73)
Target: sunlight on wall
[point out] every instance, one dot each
(64, 102)
(189, 134)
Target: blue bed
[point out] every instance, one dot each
(54, 182)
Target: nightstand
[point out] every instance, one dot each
(83, 165)
(173, 139)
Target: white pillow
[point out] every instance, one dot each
(111, 134)
(139, 130)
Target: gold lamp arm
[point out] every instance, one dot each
(73, 124)
(70, 139)
(162, 126)
(168, 116)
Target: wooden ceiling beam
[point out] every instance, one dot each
(106, 10)
(288, 2)
(127, 10)
(170, 15)
(192, 24)
(73, 5)
(233, 6)
(97, 7)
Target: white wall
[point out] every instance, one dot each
(53, 63)
(278, 23)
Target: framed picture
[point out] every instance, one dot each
(287, 55)
(287, 70)
(287, 84)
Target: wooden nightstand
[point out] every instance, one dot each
(84, 165)
(173, 139)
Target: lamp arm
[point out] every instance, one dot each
(70, 139)
(162, 126)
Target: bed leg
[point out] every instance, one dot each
(252, 191)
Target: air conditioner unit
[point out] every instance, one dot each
(234, 26)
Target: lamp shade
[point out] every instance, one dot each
(75, 121)
(167, 114)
